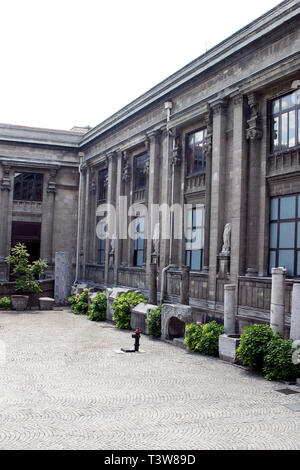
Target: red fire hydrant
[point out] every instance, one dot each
(136, 336)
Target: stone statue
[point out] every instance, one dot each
(226, 239)
(156, 239)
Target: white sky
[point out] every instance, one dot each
(70, 62)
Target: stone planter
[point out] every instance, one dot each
(19, 302)
(228, 345)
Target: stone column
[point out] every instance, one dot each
(63, 268)
(111, 199)
(239, 191)
(153, 284)
(218, 170)
(86, 222)
(153, 196)
(208, 151)
(253, 135)
(165, 192)
(5, 187)
(48, 219)
(185, 285)
(295, 313)
(278, 300)
(229, 308)
(118, 242)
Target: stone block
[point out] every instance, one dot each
(139, 314)
(228, 345)
(46, 303)
(114, 293)
(174, 319)
(63, 268)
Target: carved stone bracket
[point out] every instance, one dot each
(209, 135)
(254, 131)
(126, 173)
(177, 150)
(51, 188)
(5, 183)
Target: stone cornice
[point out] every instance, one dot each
(29, 163)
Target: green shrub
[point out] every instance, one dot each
(97, 311)
(5, 303)
(204, 338)
(153, 322)
(121, 307)
(26, 274)
(79, 302)
(253, 345)
(278, 363)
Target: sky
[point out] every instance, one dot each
(74, 63)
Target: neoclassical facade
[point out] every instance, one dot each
(221, 135)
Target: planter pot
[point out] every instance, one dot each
(19, 302)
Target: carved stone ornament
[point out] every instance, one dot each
(51, 188)
(226, 239)
(5, 182)
(177, 150)
(254, 130)
(126, 173)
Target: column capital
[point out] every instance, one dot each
(219, 107)
(238, 99)
(5, 183)
(254, 131)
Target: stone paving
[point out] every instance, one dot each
(64, 386)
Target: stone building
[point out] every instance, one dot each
(222, 135)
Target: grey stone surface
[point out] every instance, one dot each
(229, 308)
(277, 300)
(170, 311)
(46, 303)
(19, 302)
(62, 287)
(295, 313)
(228, 345)
(64, 387)
(139, 314)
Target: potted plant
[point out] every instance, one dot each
(26, 275)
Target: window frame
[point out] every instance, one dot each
(278, 115)
(193, 169)
(102, 190)
(139, 172)
(278, 221)
(23, 188)
(193, 228)
(136, 248)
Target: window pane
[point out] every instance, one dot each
(298, 263)
(286, 259)
(139, 258)
(298, 126)
(274, 133)
(292, 128)
(298, 207)
(284, 130)
(274, 209)
(287, 235)
(272, 261)
(273, 235)
(188, 258)
(287, 207)
(199, 215)
(189, 219)
(275, 106)
(298, 235)
(140, 243)
(196, 259)
(288, 101)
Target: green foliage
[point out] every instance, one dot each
(79, 302)
(253, 345)
(26, 274)
(121, 307)
(204, 338)
(153, 322)
(97, 311)
(278, 364)
(5, 303)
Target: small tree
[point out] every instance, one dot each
(26, 274)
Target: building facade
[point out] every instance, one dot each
(221, 135)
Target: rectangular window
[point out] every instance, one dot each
(285, 122)
(196, 156)
(101, 242)
(195, 238)
(102, 185)
(139, 172)
(139, 231)
(28, 187)
(284, 240)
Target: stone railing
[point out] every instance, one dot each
(34, 207)
(132, 277)
(139, 195)
(283, 162)
(195, 183)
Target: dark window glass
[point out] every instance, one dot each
(284, 241)
(28, 187)
(102, 184)
(139, 230)
(285, 122)
(139, 171)
(196, 157)
(101, 242)
(194, 239)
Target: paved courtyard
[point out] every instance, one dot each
(64, 386)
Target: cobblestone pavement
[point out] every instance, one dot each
(64, 386)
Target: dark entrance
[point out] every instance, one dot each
(176, 328)
(28, 233)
